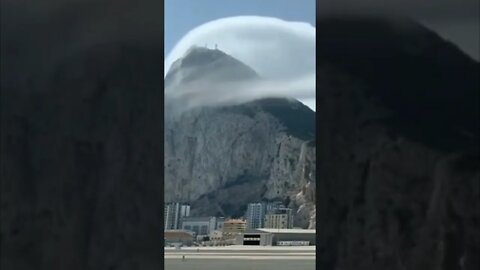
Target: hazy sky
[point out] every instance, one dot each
(182, 16)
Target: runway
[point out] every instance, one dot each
(240, 258)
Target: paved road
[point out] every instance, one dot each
(235, 264)
(241, 258)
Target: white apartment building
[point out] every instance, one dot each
(255, 215)
(174, 213)
(280, 219)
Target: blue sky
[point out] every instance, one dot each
(182, 16)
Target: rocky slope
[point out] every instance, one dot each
(398, 156)
(220, 158)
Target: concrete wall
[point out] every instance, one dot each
(311, 237)
(265, 238)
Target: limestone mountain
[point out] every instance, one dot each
(220, 158)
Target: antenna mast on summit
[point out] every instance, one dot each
(216, 46)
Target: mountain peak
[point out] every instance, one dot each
(198, 50)
(201, 55)
(201, 63)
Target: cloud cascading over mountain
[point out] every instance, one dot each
(281, 52)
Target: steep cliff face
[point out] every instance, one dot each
(221, 158)
(398, 175)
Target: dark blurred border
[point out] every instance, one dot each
(457, 23)
(39, 41)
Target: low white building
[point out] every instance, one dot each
(216, 235)
(202, 226)
(277, 237)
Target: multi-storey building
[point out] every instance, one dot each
(233, 227)
(281, 218)
(255, 215)
(174, 213)
(220, 222)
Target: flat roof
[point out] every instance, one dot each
(272, 230)
(254, 231)
(177, 234)
(235, 221)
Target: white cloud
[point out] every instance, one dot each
(204, 93)
(282, 52)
